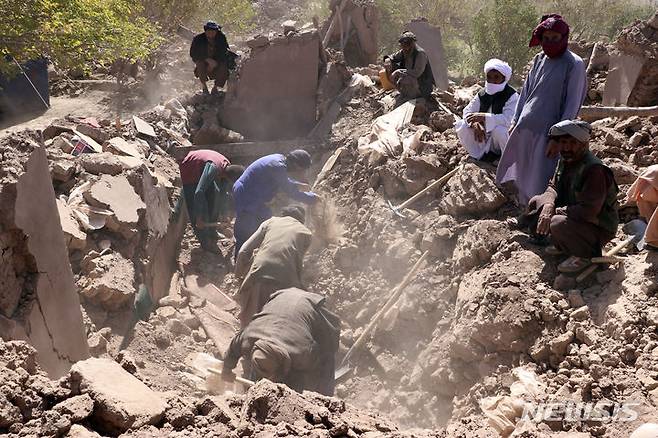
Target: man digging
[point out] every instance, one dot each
(579, 208)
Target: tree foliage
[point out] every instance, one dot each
(502, 29)
(75, 33)
(232, 15)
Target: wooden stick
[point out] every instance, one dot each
(587, 272)
(607, 260)
(436, 184)
(237, 378)
(332, 25)
(591, 113)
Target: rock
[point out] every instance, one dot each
(612, 138)
(344, 257)
(97, 345)
(633, 123)
(652, 316)
(118, 145)
(162, 338)
(166, 312)
(116, 194)
(437, 242)
(441, 121)
(624, 174)
(479, 243)
(55, 129)
(78, 431)
(9, 414)
(176, 327)
(588, 337)
(199, 335)
(580, 314)
(96, 134)
(564, 282)
(258, 41)
(575, 298)
(121, 401)
(75, 237)
(63, 170)
(646, 380)
(63, 144)
(106, 163)
(127, 362)
(471, 191)
(180, 414)
(217, 410)
(637, 139)
(78, 408)
(108, 281)
(558, 346)
(289, 26)
(174, 301)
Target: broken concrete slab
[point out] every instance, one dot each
(220, 325)
(120, 146)
(63, 170)
(106, 163)
(277, 86)
(430, 39)
(108, 280)
(49, 316)
(353, 28)
(97, 134)
(77, 408)
(78, 431)
(116, 194)
(121, 400)
(75, 237)
(143, 127)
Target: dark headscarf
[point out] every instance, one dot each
(553, 22)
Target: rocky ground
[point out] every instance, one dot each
(485, 326)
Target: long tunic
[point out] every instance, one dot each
(554, 91)
(298, 323)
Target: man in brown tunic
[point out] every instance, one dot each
(579, 208)
(293, 340)
(281, 243)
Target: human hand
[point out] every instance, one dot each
(228, 375)
(544, 224)
(473, 118)
(562, 211)
(478, 131)
(553, 149)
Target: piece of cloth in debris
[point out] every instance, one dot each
(589, 218)
(496, 126)
(298, 322)
(554, 91)
(280, 244)
(644, 192)
(256, 188)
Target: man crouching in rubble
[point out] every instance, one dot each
(260, 183)
(209, 51)
(280, 244)
(487, 118)
(207, 178)
(293, 340)
(579, 208)
(409, 69)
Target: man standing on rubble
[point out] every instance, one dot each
(293, 340)
(409, 69)
(579, 208)
(260, 183)
(554, 91)
(209, 51)
(280, 244)
(485, 128)
(207, 178)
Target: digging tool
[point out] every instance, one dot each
(435, 185)
(344, 368)
(446, 109)
(238, 379)
(636, 229)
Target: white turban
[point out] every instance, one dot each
(500, 66)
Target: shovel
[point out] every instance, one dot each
(636, 229)
(435, 185)
(344, 368)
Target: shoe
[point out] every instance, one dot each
(573, 265)
(553, 250)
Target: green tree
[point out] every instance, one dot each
(75, 33)
(502, 29)
(232, 15)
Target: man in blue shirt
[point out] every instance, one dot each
(260, 183)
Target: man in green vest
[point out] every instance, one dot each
(409, 69)
(579, 208)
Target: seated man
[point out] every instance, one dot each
(260, 183)
(487, 119)
(281, 243)
(579, 208)
(409, 69)
(644, 193)
(293, 340)
(209, 51)
(207, 178)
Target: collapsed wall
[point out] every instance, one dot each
(38, 299)
(429, 38)
(634, 66)
(274, 96)
(353, 28)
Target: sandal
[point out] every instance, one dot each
(552, 250)
(573, 265)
